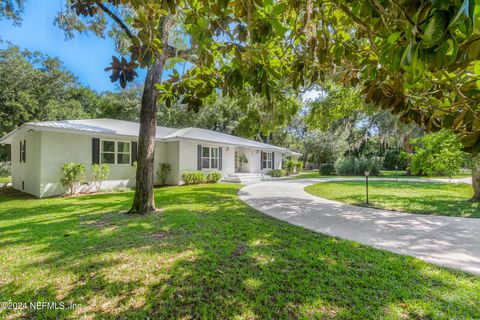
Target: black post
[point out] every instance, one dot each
(366, 185)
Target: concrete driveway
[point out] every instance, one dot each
(446, 241)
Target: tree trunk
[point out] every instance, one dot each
(144, 201)
(476, 177)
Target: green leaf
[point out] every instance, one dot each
(394, 37)
(476, 68)
(435, 30)
(279, 8)
(278, 27)
(464, 15)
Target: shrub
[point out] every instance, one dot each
(193, 177)
(327, 169)
(100, 173)
(213, 177)
(289, 166)
(276, 173)
(163, 171)
(298, 166)
(5, 169)
(73, 174)
(357, 167)
(437, 154)
(394, 157)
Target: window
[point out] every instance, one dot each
(209, 158)
(267, 160)
(112, 152)
(123, 152)
(107, 153)
(23, 151)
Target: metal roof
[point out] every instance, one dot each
(128, 128)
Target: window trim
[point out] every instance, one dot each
(268, 162)
(115, 152)
(118, 152)
(211, 157)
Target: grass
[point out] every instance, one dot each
(206, 255)
(415, 197)
(464, 173)
(313, 174)
(4, 179)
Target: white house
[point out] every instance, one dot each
(39, 150)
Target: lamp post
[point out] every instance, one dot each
(396, 173)
(367, 173)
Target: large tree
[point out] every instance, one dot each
(234, 39)
(417, 58)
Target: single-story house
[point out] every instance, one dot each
(40, 149)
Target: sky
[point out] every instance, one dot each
(86, 56)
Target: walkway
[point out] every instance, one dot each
(447, 241)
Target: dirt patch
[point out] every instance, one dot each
(159, 236)
(239, 251)
(12, 193)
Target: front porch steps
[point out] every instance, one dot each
(246, 178)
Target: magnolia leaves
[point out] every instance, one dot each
(122, 71)
(433, 43)
(85, 8)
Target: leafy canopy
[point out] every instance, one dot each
(437, 154)
(417, 58)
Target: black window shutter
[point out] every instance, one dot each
(134, 152)
(273, 160)
(95, 151)
(220, 158)
(199, 157)
(24, 150)
(21, 150)
(261, 160)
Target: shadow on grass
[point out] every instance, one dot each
(206, 255)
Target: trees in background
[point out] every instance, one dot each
(246, 115)
(36, 87)
(12, 10)
(416, 58)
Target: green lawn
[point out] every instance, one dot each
(311, 174)
(403, 174)
(4, 179)
(416, 197)
(207, 255)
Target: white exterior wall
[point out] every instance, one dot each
(47, 151)
(278, 160)
(172, 156)
(189, 157)
(254, 156)
(26, 175)
(188, 161)
(159, 157)
(60, 148)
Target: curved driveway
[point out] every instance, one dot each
(447, 241)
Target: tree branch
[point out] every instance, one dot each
(171, 52)
(356, 19)
(116, 19)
